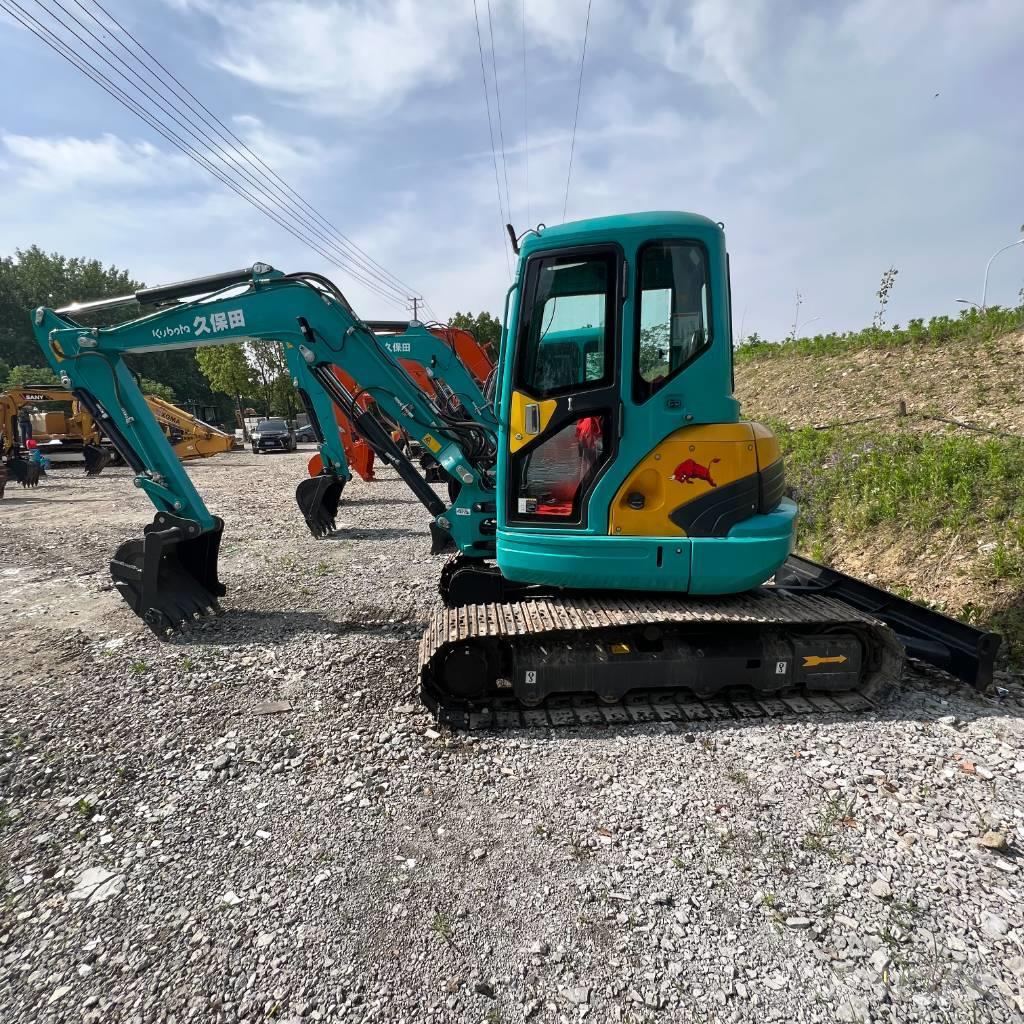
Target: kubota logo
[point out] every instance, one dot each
(689, 470)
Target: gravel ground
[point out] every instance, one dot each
(259, 821)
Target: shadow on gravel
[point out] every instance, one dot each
(248, 626)
(373, 532)
(380, 501)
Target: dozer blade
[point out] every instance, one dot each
(318, 499)
(169, 578)
(96, 459)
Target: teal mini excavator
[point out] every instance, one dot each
(614, 521)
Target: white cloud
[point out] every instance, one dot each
(358, 59)
(711, 42)
(66, 163)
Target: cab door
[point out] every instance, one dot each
(565, 403)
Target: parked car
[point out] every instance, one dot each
(273, 435)
(305, 433)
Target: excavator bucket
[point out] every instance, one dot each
(96, 459)
(169, 578)
(318, 499)
(25, 472)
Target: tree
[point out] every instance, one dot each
(153, 387)
(228, 371)
(34, 278)
(484, 327)
(273, 378)
(24, 375)
(5, 371)
(654, 346)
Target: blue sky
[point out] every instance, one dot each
(811, 130)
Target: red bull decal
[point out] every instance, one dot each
(689, 470)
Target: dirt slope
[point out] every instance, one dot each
(982, 383)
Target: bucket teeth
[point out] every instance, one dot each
(318, 499)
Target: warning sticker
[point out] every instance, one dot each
(432, 443)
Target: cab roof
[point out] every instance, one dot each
(653, 223)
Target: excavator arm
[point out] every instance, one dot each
(190, 437)
(171, 574)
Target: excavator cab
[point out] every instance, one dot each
(622, 460)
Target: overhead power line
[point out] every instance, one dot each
(576, 116)
(233, 164)
(278, 183)
(502, 219)
(526, 121)
(497, 102)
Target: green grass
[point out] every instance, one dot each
(863, 479)
(858, 483)
(971, 326)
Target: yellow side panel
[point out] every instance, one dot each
(767, 446)
(517, 419)
(685, 466)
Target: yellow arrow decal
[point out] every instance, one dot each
(814, 660)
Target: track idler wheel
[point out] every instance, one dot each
(318, 500)
(169, 577)
(96, 459)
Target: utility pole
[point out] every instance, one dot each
(415, 300)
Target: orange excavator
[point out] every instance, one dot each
(465, 345)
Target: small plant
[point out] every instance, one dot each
(322, 569)
(85, 807)
(883, 293)
(139, 667)
(442, 927)
(187, 664)
(579, 852)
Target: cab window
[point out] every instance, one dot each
(566, 341)
(673, 322)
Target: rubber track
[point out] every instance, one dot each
(555, 616)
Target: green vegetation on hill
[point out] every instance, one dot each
(932, 496)
(972, 325)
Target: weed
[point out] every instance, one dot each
(442, 927)
(741, 778)
(85, 808)
(322, 569)
(139, 667)
(187, 664)
(493, 1016)
(823, 837)
(579, 852)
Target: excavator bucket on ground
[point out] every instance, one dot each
(96, 459)
(318, 499)
(169, 577)
(27, 473)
